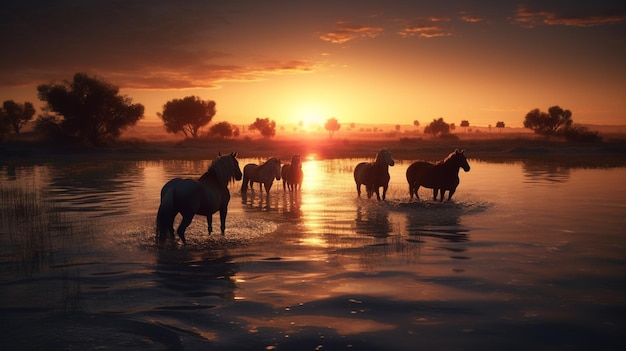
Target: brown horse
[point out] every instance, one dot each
(292, 174)
(204, 196)
(440, 176)
(263, 174)
(374, 175)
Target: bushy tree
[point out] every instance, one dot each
(15, 115)
(222, 130)
(500, 125)
(548, 123)
(437, 127)
(88, 109)
(187, 115)
(266, 127)
(576, 133)
(332, 125)
(464, 124)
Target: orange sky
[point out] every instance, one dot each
(359, 61)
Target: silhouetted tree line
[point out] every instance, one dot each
(91, 111)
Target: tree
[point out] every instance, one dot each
(464, 124)
(222, 130)
(187, 115)
(576, 133)
(332, 125)
(4, 128)
(549, 123)
(88, 109)
(437, 127)
(266, 127)
(500, 125)
(16, 115)
(416, 123)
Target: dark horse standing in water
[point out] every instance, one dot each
(292, 174)
(204, 196)
(263, 174)
(441, 176)
(374, 175)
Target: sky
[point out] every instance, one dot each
(388, 62)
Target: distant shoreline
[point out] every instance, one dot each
(506, 149)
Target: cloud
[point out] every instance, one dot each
(470, 19)
(346, 32)
(166, 45)
(430, 27)
(208, 75)
(532, 17)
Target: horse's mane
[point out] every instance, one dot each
(449, 157)
(219, 170)
(380, 157)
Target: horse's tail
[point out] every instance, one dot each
(165, 214)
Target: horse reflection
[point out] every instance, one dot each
(374, 175)
(203, 278)
(259, 200)
(263, 174)
(373, 220)
(545, 172)
(441, 176)
(291, 204)
(441, 222)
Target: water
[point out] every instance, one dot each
(527, 255)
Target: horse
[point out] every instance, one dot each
(374, 175)
(204, 196)
(263, 174)
(441, 176)
(292, 174)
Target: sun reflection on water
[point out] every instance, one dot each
(312, 205)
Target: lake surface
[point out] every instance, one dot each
(527, 255)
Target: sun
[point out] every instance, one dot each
(310, 120)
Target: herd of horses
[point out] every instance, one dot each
(209, 194)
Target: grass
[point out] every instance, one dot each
(30, 230)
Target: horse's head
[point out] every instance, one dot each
(276, 168)
(460, 160)
(237, 170)
(384, 156)
(296, 162)
(232, 165)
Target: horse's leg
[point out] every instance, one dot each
(184, 223)
(442, 194)
(268, 187)
(209, 222)
(223, 213)
(452, 191)
(385, 191)
(410, 192)
(435, 191)
(244, 184)
(358, 188)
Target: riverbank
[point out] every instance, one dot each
(505, 149)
